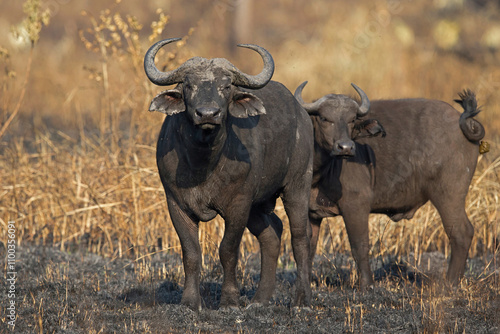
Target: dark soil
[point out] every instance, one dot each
(59, 292)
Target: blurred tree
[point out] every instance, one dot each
(31, 26)
(241, 24)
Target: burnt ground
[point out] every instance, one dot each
(60, 292)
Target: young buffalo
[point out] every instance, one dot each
(429, 153)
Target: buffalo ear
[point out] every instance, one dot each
(245, 104)
(367, 128)
(168, 102)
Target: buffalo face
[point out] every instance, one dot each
(208, 89)
(207, 96)
(338, 121)
(333, 129)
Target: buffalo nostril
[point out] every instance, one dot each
(345, 148)
(207, 112)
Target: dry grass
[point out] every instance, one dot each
(78, 166)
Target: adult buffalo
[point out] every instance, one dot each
(231, 151)
(429, 153)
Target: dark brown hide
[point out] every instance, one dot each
(228, 151)
(430, 153)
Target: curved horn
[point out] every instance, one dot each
(309, 107)
(255, 81)
(365, 102)
(154, 74)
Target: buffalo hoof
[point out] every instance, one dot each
(256, 305)
(230, 302)
(230, 308)
(365, 281)
(258, 299)
(191, 308)
(367, 287)
(192, 303)
(447, 288)
(302, 299)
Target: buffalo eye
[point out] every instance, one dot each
(226, 89)
(324, 120)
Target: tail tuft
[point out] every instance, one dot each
(472, 129)
(469, 103)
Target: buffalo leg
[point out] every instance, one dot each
(460, 233)
(356, 223)
(187, 230)
(315, 227)
(267, 228)
(296, 203)
(229, 251)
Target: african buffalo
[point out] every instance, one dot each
(232, 151)
(429, 153)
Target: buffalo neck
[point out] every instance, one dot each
(324, 164)
(321, 159)
(202, 149)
